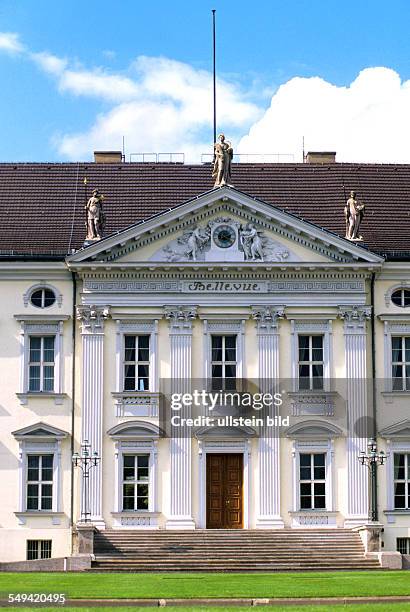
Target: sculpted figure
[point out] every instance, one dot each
(95, 216)
(251, 243)
(196, 242)
(354, 213)
(223, 153)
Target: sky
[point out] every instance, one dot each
(81, 76)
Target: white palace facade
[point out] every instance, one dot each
(95, 342)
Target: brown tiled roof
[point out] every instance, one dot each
(42, 205)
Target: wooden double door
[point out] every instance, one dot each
(224, 491)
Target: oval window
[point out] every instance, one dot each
(42, 298)
(401, 297)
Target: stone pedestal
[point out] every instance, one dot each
(84, 539)
(267, 323)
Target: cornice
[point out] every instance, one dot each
(33, 271)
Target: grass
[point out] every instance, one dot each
(128, 585)
(336, 608)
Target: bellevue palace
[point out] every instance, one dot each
(185, 352)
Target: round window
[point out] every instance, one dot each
(401, 297)
(42, 298)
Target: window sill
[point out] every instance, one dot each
(136, 403)
(391, 515)
(28, 514)
(58, 397)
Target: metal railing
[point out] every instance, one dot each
(155, 158)
(253, 158)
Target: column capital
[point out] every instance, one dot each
(267, 317)
(92, 318)
(180, 317)
(355, 317)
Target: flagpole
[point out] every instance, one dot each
(214, 68)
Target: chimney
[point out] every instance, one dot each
(321, 157)
(107, 157)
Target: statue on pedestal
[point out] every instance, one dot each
(223, 154)
(354, 213)
(95, 216)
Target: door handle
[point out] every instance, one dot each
(227, 502)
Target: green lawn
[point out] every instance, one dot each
(124, 585)
(339, 608)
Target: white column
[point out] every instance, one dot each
(92, 331)
(355, 318)
(267, 323)
(180, 330)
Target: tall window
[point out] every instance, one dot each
(402, 480)
(41, 363)
(136, 363)
(39, 482)
(401, 363)
(310, 362)
(135, 485)
(224, 362)
(312, 479)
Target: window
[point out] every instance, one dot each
(400, 363)
(41, 363)
(38, 549)
(223, 362)
(310, 362)
(42, 298)
(136, 363)
(39, 482)
(135, 482)
(403, 545)
(401, 297)
(402, 480)
(312, 481)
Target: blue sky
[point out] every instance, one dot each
(46, 113)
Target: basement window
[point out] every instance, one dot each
(403, 546)
(38, 549)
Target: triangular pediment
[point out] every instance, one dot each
(39, 430)
(398, 430)
(230, 227)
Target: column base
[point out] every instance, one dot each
(99, 523)
(180, 522)
(269, 522)
(351, 522)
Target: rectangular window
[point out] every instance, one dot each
(310, 362)
(223, 362)
(135, 482)
(136, 363)
(38, 549)
(401, 481)
(39, 482)
(312, 481)
(41, 363)
(400, 346)
(403, 546)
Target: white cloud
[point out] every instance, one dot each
(364, 122)
(10, 43)
(49, 63)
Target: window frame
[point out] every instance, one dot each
(311, 362)
(228, 327)
(42, 364)
(308, 327)
(39, 547)
(402, 290)
(224, 362)
(405, 386)
(135, 482)
(405, 480)
(136, 363)
(39, 482)
(312, 480)
(137, 328)
(303, 445)
(392, 328)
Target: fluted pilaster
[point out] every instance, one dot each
(92, 330)
(355, 318)
(267, 325)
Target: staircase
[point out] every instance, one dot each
(222, 550)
